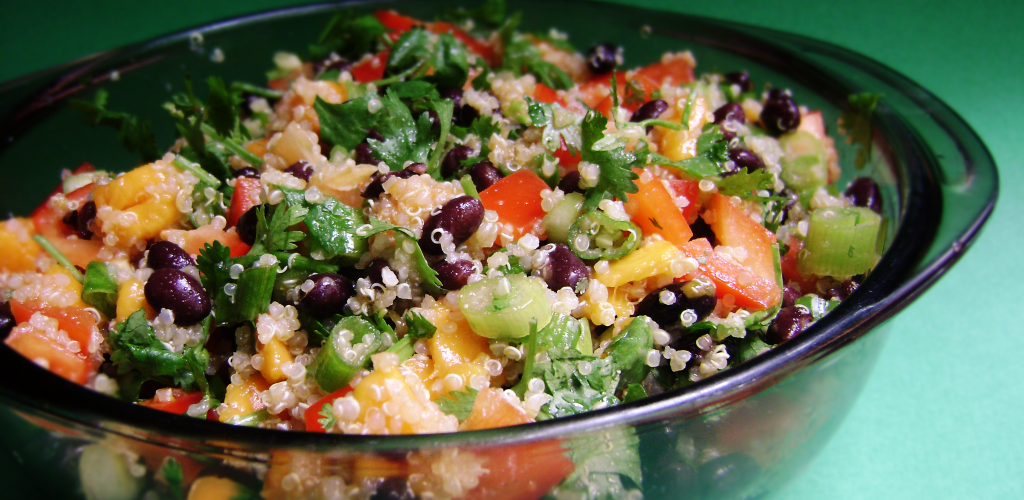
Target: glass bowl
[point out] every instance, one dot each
(740, 434)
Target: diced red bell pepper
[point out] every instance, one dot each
(791, 272)
(733, 228)
(312, 414)
(690, 190)
(371, 69)
(747, 289)
(178, 404)
(653, 209)
(517, 201)
(246, 196)
(197, 238)
(548, 95)
(566, 158)
(674, 72)
(50, 224)
(394, 21)
(79, 323)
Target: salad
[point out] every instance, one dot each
(428, 227)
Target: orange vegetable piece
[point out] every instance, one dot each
(566, 159)
(50, 350)
(516, 199)
(653, 209)
(179, 403)
(18, 251)
(690, 190)
(371, 69)
(747, 289)
(246, 196)
(546, 94)
(48, 222)
(522, 472)
(79, 323)
(394, 21)
(197, 238)
(674, 72)
(733, 228)
(491, 410)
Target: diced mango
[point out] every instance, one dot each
(492, 409)
(18, 251)
(243, 398)
(275, 355)
(213, 488)
(41, 341)
(409, 409)
(618, 299)
(650, 260)
(73, 284)
(137, 205)
(131, 297)
(455, 350)
(682, 144)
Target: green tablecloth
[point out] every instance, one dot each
(940, 416)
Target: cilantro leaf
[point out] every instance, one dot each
(483, 127)
(174, 476)
(134, 347)
(444, 110)
(99, 289)
(490, 15)
(415, 89)
(327, 420)
(419, 327)
(628, 351)
(615, 177)
(404, 139)
(744, 183)
(253, 287)
(459, 403)
(419, 50)
(571, 391)
(135, 134)
(273, 235)
(602, 461)
(332, 225)
(711, 152)
(857, 122)
(428, 273)
(346, 124)
(521, 55)
(348, 36)
(222, 107)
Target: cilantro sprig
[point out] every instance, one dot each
(616, 177)
(135, 348)
(136, 134)
(459, 403)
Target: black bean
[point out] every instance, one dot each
(570, 183)
(788, 323)
(181, 293)
(864, 192)
(364, 155)
(301, 169)
(393, 488)
(376, 186)
(744, 158)
(603, 58)
(249, 172)
(454, 275)
(650, 109)
(246, 226)
(167, 255)
(79, 221)
(842, 290)
(740, 78)
(460, 217)
(727, 476)
(453, 159)
(789, 296)
(484, 175)
(564, 269)
(329, 295)
(375, 271)
(780, 113)
(464, 115)
(697, 295)
(730, 111)
(7, 321)
(701, 229)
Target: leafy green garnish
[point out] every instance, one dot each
(711, 152)
(745, 183)
(327, 420)
(490, 15)
(332, 225)
(419, 327)
(135, 134)
(134, 347)
(521, 55)
(573, 392)
(419, 50)
(444, 110)
(174, 476)
(348, 36)
(602, 462)
(428, 273)
(403, 348)
(628, 351)
(99, 289)
(616, 177)
(459, 403)
(273, 235)
(857, 122)
(253, 287)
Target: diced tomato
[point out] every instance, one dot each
(546, 94)
(566, 159)
(597, 91)
(312, 414)
(371, 69)
(733, 228)
(394, 21)
(517, 200)
(791, 272)
(178, 404)
(197, 238)
(79, 323)
(690, 190)
(594, 91)
(57, 357)
(674, 72)
(246, 196)
(653, 209)
(50, 224)
(522, 472)
(747, 289)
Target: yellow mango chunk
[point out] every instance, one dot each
(275, 355)
(213, 488)
(243, 398)
(393, 402)
(131, 297)
(618, 303)
(18, 251)
(457, 352)
(73, 284)
(139, 204)
(651, 260)
(679, 145)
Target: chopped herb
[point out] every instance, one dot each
(99, 289)
(603, 462)
(222, 107)
(253, 288)
(135, 134)
(459, 403)
(444, 109)
(428, 273)
(616, 177)
(348, 36)
(272, 235)
(405, 140)
(419, 327)
(523, 56)
(419, 52)
(403, 348)
(248, 88)
(134, 347)
(332, 225)
(346, 124)
(327, 420)
(489, 16)
(744, 183)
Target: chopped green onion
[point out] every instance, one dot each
(182, 164)
(503, 307)
(58, 256)
(598, 236)
(352, 342)
(558, 221)
(661, 123)
(249, 88)
(403, 348)
(469, 187)
(76, 181)
(840, 242)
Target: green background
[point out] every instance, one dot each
(940, 416)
